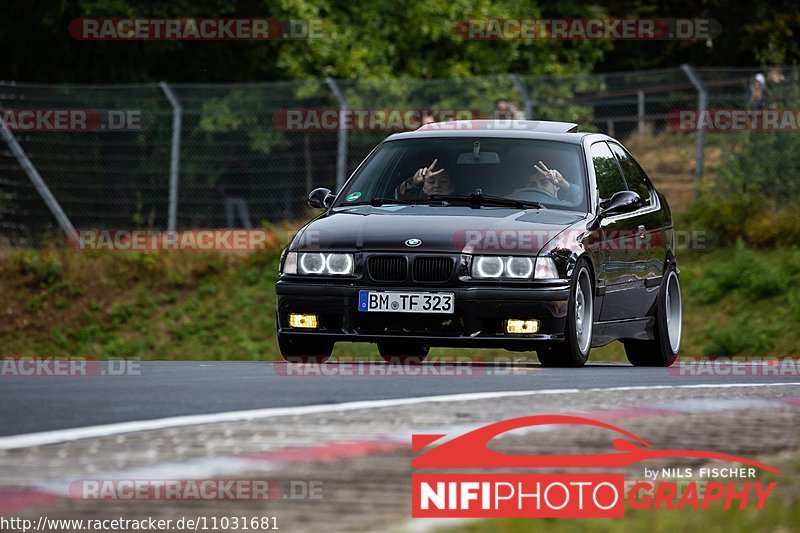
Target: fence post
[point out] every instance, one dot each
(640, 110)
(175, 158)
(525, 96)
(341, 149)
(36, 178)
(700, 142)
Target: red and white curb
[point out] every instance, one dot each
(14, 499)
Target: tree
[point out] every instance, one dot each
(362, 39)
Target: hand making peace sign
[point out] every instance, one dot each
(553, 175)
(425, 172)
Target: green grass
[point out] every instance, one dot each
(781, 513)
(741, 301)
(212, 306)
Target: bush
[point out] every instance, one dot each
(741, 336)
(751, 219)
(765, 164)
(773, 228)
(747, 273)
(46, 269)
(755, 194)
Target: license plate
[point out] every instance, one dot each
(406, 302)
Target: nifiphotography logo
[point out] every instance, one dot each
(570, 495)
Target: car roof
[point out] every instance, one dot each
(510, 129)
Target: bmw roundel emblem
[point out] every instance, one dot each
(413, 242)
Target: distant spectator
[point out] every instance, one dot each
(427, 118)
(232, 187)
(756, 91)
(775, 76)
(775, 83)
(505, 110)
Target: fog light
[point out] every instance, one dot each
(514, 325)
(303, 321)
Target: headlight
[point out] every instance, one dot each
(312, 263)
(545, 268)
(290, 263)
(519, 267)
(487, 267)
(494, 267)
(339, 264)
(315, 263)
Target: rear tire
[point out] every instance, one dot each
(304, 351)
(663, 349)
(401, 352)
(574, 351)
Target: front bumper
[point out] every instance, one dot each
(477, 321)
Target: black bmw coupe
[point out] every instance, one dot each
(522, 235)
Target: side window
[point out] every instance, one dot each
(633, 174)
(609, 177)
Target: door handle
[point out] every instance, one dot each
(642, 231)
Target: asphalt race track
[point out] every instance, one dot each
(166, 389)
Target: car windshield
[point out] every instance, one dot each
(533, 172)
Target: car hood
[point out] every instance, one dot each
(440, 229)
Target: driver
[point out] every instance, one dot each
(425, 182)
(547, 181)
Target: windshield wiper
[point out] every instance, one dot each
(477, 199)
(377, 202)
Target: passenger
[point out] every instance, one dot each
(425, 182)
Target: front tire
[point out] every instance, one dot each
(402, 352)
(294, 350)
(662, 350)
(574, 351)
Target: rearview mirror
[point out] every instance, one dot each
(320, 198)
(484, 158)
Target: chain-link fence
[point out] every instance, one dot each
(238, 155)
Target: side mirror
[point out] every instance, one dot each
(623, 202)
(320, 198)
(620, 202)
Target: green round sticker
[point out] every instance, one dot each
(353, 196)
